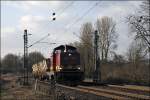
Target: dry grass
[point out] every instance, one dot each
(13, 91)
(126, 73)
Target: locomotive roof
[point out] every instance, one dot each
(63, 47)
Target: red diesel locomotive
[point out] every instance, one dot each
(65, 64)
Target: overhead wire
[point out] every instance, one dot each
(80, 18)
(65, 8)
(38, 41)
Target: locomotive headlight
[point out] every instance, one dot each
(69, 54)
(59, 68)
(79, 68)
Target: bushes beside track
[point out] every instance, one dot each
(126, 73)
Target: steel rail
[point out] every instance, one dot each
(146, 90)
(118, 93)
(101, 94)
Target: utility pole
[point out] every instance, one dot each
(25, 58)
(97, 72)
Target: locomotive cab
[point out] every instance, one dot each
(65, 57)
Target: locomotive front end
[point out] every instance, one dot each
(68, 67)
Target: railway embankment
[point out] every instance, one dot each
(50, 90)
(109, 92)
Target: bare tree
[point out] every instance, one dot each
(85, 48)
(108, 36)
(140, 24)
(141, 28)
(145, 7)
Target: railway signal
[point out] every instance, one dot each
(25, 75)
(97, 72)
(54, 17)
(53, 14)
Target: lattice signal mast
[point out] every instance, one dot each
(97, 72)
(25, 76)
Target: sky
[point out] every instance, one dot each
(36, 17)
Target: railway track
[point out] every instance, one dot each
(120, 93)
(95, 92)
(98, 92)
(132, 89)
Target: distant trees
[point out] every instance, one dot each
(137, 63)
(12, 63)
(108, 36)
(86, 47)
(135, 52)
(118, 59)
(107, 42)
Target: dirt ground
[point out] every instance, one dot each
(12, 90)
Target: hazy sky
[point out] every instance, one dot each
(36, 17)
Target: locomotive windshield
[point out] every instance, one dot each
(65, 48)
(68, 59)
